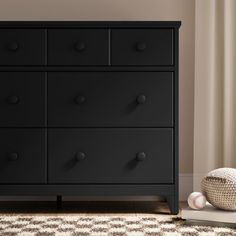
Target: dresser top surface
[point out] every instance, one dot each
(90, 24)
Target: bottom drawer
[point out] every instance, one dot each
(22, 156)
(110, 156)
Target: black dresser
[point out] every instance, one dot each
(89, 108)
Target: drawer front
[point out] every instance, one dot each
(22, 156)
(22, 99)
(22, 47)
(78, 47)
(110, 156)
(142, 47)
(110, 99)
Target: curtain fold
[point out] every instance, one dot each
(215, 87)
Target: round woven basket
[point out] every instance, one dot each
(219, 187)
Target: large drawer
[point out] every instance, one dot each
(110, 99)
(78, 47)
(147, 47)
(110, 156)
(22, 156)
(22, 99)
(22, 47)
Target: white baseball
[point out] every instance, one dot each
(196, 200)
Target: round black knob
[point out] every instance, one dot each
(79, 46)
(141, 99)
(80, 156)
(141, 46)
(13, 46)
(13, 99)
(13, 156)
(79, 100)
(141, 156)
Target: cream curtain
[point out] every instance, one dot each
(215, 87)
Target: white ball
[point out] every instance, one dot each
(196, 200)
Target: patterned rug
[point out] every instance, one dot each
(103, 224)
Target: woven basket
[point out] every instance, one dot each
(219, 187)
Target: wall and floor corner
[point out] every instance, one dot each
(183, 10)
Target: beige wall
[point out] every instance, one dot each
(183, 10)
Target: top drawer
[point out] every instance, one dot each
(147, 47)
(78, 47)
(22, 47)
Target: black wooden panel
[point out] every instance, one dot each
(87, 68)
(89, 24)
(110, 99)
(22, 99)
(22, 47)
(88, 189)
(78, 47)
(142, 47)
(110, 156)
(22, 156)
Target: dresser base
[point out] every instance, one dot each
(162, 190)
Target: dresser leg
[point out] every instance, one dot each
(59, 201)
(173, 204)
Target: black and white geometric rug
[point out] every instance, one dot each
(103, 225)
